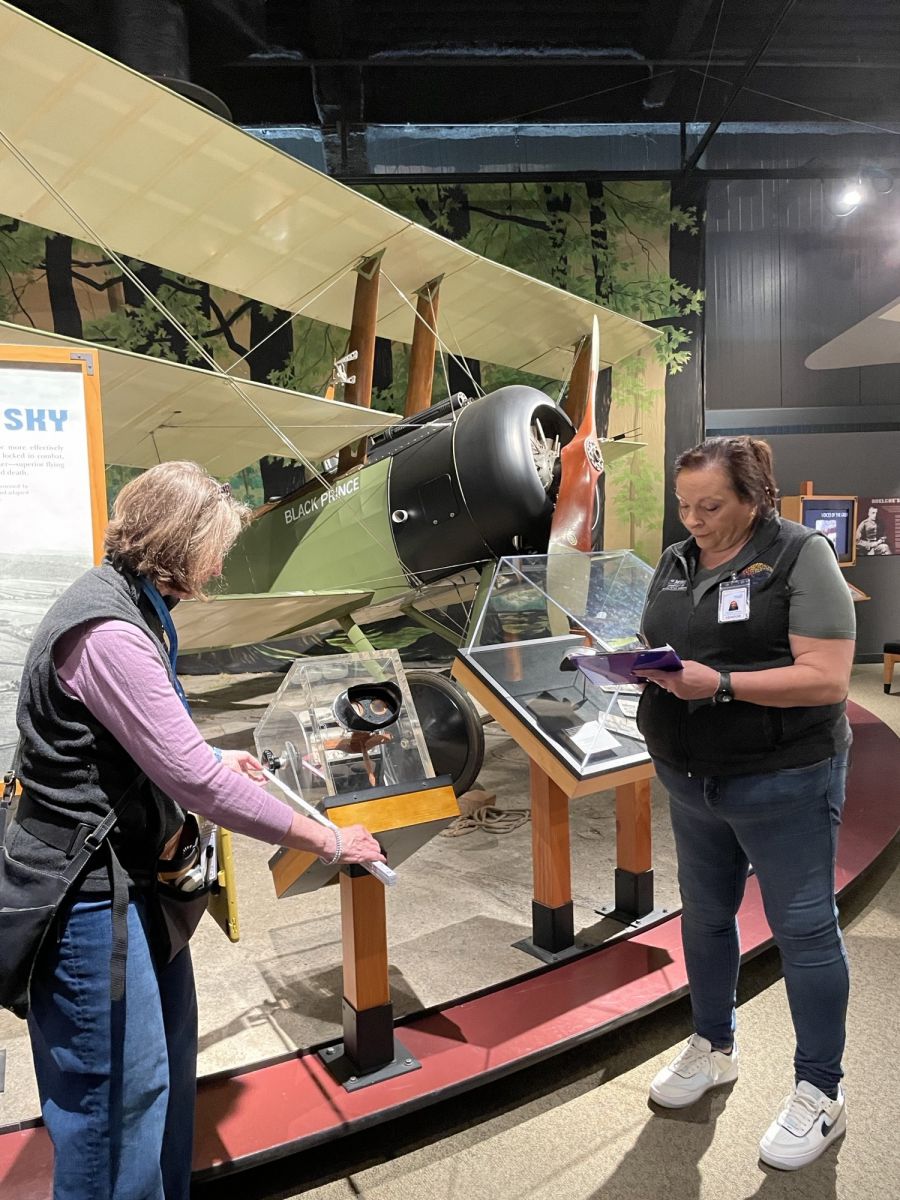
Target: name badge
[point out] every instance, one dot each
(734, 600)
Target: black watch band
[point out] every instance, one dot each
(724, 692)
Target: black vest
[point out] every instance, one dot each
(72, 769)
(701, 738)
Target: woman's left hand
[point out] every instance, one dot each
(243, 763)
(693, 682)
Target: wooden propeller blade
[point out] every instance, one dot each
(582, 466)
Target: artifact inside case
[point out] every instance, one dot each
(540, 612)
(344, 724)
(343, 731)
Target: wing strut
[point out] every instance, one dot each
(362, 340)
(421, 355)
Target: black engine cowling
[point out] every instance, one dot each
(472, 489)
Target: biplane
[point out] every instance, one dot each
(413, 508)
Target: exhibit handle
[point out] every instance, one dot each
(380, 870)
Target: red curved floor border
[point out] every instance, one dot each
(264, 1112)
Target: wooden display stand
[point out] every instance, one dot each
(553, 785)
(402, 821)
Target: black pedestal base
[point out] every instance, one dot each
(369, 1035)
(553, 929)
(634, 897)
(527, 946)
(348, 1074)
(553, 932)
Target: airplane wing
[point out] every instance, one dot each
(874, 340)
(160, 179)
(154, 410)
(241, 620)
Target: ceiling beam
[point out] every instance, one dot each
(555, 58)
(738, 84)
(691, 19)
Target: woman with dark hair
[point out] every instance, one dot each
(101, 712)
(750, 740)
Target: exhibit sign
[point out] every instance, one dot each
(878, 531)
(52, 498)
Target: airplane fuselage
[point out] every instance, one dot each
(436, 497)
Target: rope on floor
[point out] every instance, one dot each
(487, 817)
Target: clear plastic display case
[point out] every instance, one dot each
(544, 611)
(316, 753)
(342, 732)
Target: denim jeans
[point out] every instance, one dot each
(785, 823)
(117, 1082)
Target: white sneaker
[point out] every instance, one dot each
(692, 1073)
(807, 1124)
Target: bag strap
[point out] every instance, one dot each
(9, 790)
(99, 833)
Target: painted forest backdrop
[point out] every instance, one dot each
(632, 246)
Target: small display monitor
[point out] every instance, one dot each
(835, 517)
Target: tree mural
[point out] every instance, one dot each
(608, 242)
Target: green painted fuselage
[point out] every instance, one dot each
(331, 539)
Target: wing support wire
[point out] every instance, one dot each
(169, 316)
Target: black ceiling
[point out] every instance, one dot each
(334, 62)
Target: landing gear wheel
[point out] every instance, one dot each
(451, 727)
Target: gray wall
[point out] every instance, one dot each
(849, 465)
(784, 275)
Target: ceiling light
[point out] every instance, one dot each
(850, 197)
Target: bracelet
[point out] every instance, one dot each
(338, 849)
(217, 753)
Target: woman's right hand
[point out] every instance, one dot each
(358, 846)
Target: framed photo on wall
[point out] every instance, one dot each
(878, 526)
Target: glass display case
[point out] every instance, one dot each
(546, 620)
(344, 726)
(342, 733)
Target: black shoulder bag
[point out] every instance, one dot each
(31, 898)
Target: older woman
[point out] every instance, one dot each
(750, 740)
(101, 711)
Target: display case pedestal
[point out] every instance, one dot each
(369, 1052)
(553, 785)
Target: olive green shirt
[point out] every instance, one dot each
(820, 606)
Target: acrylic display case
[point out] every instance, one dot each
(540, 610)
(310, 737)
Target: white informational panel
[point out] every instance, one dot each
(52, 498)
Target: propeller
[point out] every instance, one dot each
(581, 463)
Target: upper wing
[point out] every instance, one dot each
(875, 339)
(156, 177)
(155, 410)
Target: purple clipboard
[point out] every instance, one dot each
(618, 666)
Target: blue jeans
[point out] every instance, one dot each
(785, 823)
(117, 1081)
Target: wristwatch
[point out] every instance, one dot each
(724, 692)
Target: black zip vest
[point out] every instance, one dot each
(72, 769)
(738, 738)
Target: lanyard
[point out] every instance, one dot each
(159, 606)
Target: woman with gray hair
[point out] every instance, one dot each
(101, 711)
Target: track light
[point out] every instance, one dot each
(851, 197)
(869, 183)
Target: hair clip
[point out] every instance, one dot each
(225, 489)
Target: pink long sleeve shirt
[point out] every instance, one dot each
(115, 671)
